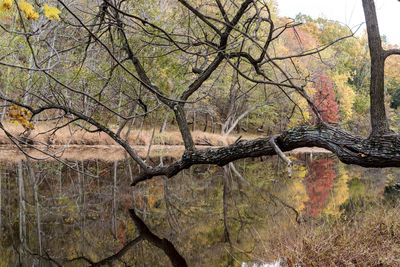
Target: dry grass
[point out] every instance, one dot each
(43, 134)
(79, 152)
(368, 239)
(83, 145)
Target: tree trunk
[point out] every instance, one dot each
(3, 112)
(379, 123)
(379, 151)
(180, 116)
(164, 124)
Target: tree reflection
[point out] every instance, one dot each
(52, 215)
(319, 183)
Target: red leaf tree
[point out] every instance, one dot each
(325, 99)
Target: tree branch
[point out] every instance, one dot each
(222, 47)
(390, 52)
(244, 114)
(200, 16)
(280, 153)
(381, 151)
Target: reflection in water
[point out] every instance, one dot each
(319, 183)
(52, 215)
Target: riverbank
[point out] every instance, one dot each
(106, 152)
(45, 134)
(77, 144)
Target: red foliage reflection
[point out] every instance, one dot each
(318, 184)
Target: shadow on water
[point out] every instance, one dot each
(88, 215)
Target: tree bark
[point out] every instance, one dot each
(184, 128)
(379, 122)
(378, 151)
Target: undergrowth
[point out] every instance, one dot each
(368, 238)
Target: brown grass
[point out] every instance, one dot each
(83, 145)
(79, 152)
(43, 134)
(368, 239)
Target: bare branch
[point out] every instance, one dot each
(200, 16)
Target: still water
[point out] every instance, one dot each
(76, 215)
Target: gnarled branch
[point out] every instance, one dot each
(381, 151)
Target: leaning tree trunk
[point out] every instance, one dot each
(380, 151)
(379, 122)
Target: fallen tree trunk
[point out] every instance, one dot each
(378, 151)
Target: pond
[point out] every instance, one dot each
(54, 214)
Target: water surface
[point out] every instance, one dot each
(215, 216)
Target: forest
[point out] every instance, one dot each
(184, 132)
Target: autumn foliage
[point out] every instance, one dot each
(325, 99)
(20, 115)
(29, 10)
